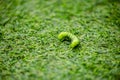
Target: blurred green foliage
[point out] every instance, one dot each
(30, 49)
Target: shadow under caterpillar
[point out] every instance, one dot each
(74, 39)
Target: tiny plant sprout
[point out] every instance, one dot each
(74, 39)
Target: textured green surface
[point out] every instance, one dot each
(31, 50)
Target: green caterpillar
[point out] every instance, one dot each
(74, 39)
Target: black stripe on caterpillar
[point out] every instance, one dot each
(74, 39)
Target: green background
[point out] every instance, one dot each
(30, 48)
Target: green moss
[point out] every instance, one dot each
(29, 49)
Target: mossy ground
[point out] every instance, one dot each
(30, 49)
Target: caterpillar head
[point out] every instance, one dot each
(62, 35)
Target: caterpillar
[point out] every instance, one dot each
(74, 39)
